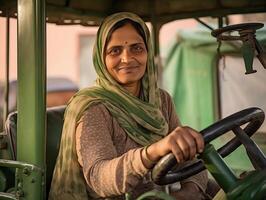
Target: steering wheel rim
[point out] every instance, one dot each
(255, 117)
(219, 33)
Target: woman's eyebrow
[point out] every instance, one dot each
(130, 44)
(113, 46)
(121, 46)
(142, 43)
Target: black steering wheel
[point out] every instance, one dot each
(223, 33)
(162, 174)
(246, 33)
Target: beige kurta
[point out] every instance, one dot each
(111, 160)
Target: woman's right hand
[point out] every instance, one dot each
(183, 142)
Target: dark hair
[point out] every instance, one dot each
(122, 23)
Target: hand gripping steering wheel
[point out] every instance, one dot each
(162, 174)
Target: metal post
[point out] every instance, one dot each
(6, 102)
(31, 94)
(220, 22)
(156, 45)
(155, 38)
(219, 170)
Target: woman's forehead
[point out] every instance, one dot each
(125, 35)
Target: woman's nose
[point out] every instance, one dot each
(125, 56)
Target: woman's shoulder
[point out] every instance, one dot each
(167, 104)
(97, 110)
(165, 96)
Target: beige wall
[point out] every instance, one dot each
(62, 49)
(13, 48)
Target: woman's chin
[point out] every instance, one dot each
(129, 79)
(128, 82)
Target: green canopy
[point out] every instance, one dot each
(190, 76)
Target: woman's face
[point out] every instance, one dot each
(126, 56)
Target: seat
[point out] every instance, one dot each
(55, 116)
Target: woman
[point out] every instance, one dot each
(115, 131)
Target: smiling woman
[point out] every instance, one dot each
(126, 56)
(116, 131)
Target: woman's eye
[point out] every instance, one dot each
(114, 51)
(137, 49)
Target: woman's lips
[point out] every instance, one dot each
(127, 69)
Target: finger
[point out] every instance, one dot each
(192, 147)
(191, 144)
(176, 150)
(198, 138)
(184, 146)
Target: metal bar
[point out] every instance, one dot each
(220, 22)
(156, 26)
(204, 24)
(217, 111)
(255, 155)
(7, 196)
(6, 102)
(31, 93)
(261, 54)
(18, 165)
(219, 170)
(156, 45)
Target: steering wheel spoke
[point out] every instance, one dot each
(254, 153)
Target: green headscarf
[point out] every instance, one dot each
(141, 118)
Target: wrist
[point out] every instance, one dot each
(148, 163)
(152, 154)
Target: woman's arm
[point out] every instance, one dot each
(106, 173)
